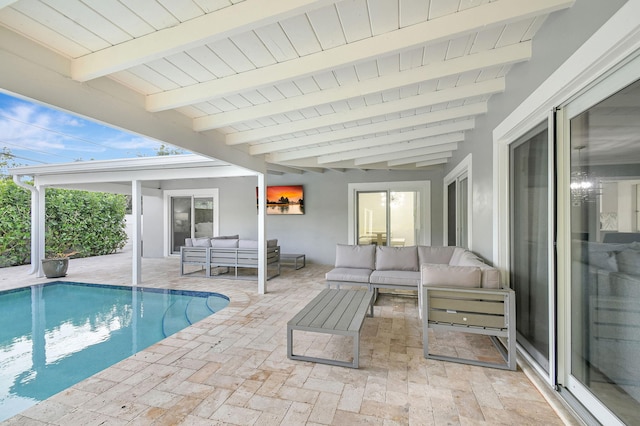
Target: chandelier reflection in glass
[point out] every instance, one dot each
(584, 187)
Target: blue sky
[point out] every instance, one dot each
(36, 134)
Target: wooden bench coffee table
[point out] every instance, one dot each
(333, 311)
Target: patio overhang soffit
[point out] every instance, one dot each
(306, 85)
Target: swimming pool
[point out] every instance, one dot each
(56, 334)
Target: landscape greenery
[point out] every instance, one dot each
(88, 223)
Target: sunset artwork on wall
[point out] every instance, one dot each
(285, 199)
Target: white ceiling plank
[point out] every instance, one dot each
(326, 25)
(354, 17)
(435, 144)
(61, 24)
(204, 55)
(153, 77)
(170, 71)
(213, 5)
(487, 87)
(190, 66)
(367, 70)
(15, 20)
(384, 16)
(156, 15)
(439, 8)
(253, 48)
(352, 147)
(427, 162)
(413, 11)
(301, 34)
(122, 16)
(86, 17)
(276, 41)
(232, 56)
(255, 97)
(418, 159)
(509, 54)
(438, 151)
(389, 64)
(131, 80)
(515, 32)
(408, 122)
(195, 32)
(496, 13)
(182, 10)
(355, 145)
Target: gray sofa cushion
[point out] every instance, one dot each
(429, 254)
(451, 276)
(397, 258)
(349, 274)
(253, 244)
(226, 237)
(201, 242)
(224, 243)
(490, 276)
(352, 256)
(628, 261)
(396, 278)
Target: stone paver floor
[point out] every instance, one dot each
(232, 367)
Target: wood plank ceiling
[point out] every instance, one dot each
(308, 84)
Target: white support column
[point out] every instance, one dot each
(136, 197)
(35, 202)
(40, 217)
(262, 239)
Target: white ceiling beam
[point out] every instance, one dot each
(443, 28)
(373, 142)
(427, 162)
(437, 144)
(419, 152)
(282, 169)
(218, 25)
(370, 129)
(501, 56)
(483, 88)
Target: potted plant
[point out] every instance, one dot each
(55, 265)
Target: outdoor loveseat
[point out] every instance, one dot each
(220, 254)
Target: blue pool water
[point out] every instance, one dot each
(56, 334)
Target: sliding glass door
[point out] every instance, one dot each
(602, 154)
(530, 241)
(387, 217)
(389, 214)
(191, 216)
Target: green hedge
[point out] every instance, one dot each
(90, 223)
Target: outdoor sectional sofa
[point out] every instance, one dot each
(399, 267)
(456, 290)
(216, 255)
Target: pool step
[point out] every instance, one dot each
(182, 314)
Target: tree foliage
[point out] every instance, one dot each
(90, 223)
(15, 224)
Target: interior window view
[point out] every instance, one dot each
(388, 218)
(381, 212)
(605, 251)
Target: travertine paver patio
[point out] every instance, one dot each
(232, 367)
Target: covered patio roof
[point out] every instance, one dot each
(134, 176)
(297, 86)
(116, 175)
